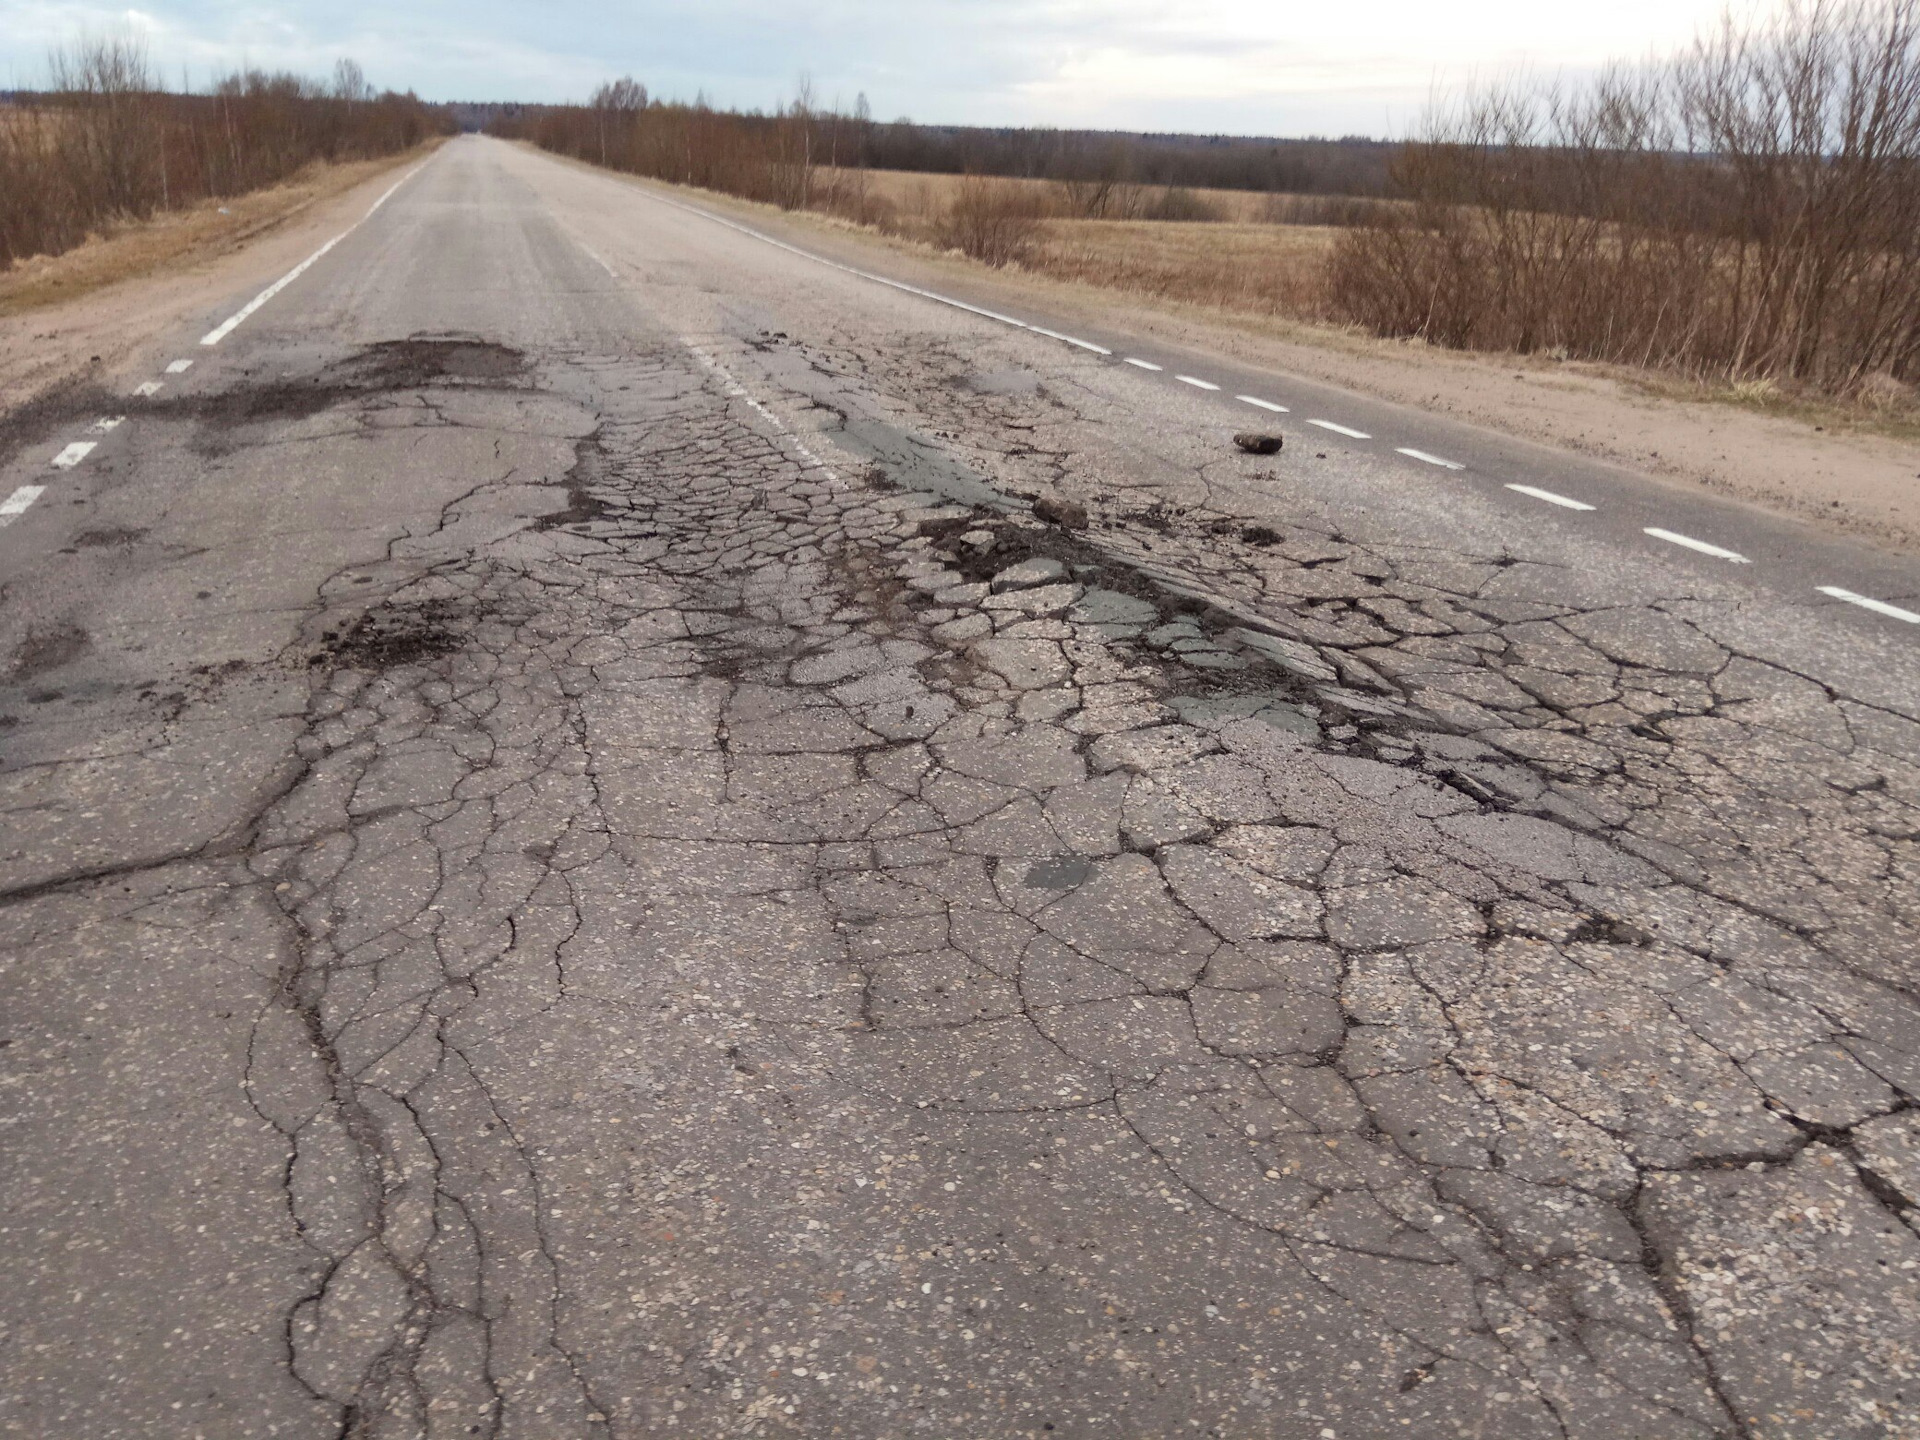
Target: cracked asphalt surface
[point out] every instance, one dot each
(578, 863)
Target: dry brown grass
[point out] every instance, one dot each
(1247, 268)
(1748, 211)
(913, 197)
(1241, 262)
(179, 237)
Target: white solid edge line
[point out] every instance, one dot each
(1196, 382)
(1341, 429)
(900, 285)
(17, 503)
(179, 367)
(1263, 404)
(1144, 364)
(233, 322)
(391, 188)
(73, 454)
(1436, 460)
(1550, 497)
(1692, 544)
(1083, 344)
(1879, 607)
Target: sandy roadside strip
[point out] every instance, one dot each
(91, 336)
(1849, 481)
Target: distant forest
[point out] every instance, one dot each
(1352, 165)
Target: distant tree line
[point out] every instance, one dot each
(1350, 166)
(637, 128)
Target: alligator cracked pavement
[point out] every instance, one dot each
(589, 869)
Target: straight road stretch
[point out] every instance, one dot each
(578, 861)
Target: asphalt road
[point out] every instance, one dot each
(577, 862)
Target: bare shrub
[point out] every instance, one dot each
(992, 221)
(1748, 210)
(106, 145)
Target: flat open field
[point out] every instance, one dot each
(914, 195)
(1243, 261)
(1263, 269)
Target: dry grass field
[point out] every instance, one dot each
(1242, 261)
(911, 196)
(1252, 269)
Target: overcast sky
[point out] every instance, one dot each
(1243, 66)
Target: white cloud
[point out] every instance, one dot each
(1247, 65)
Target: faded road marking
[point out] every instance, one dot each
(1867, 602)
(1346, 430)
(1550, 497)
(1702, 546)
(1083, 344)
(16, 504)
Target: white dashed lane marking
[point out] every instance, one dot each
(73, 454)
(106, 423)
(1879, 607)
(1142, 364)
(1350, 433)
(16, 504)
(1702, 546)
(1551, 498)
(1423, 456)
(1196, 382)
(1263, 404)
(147, 389)
(179, 367)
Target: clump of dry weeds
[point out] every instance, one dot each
(1748, 211)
